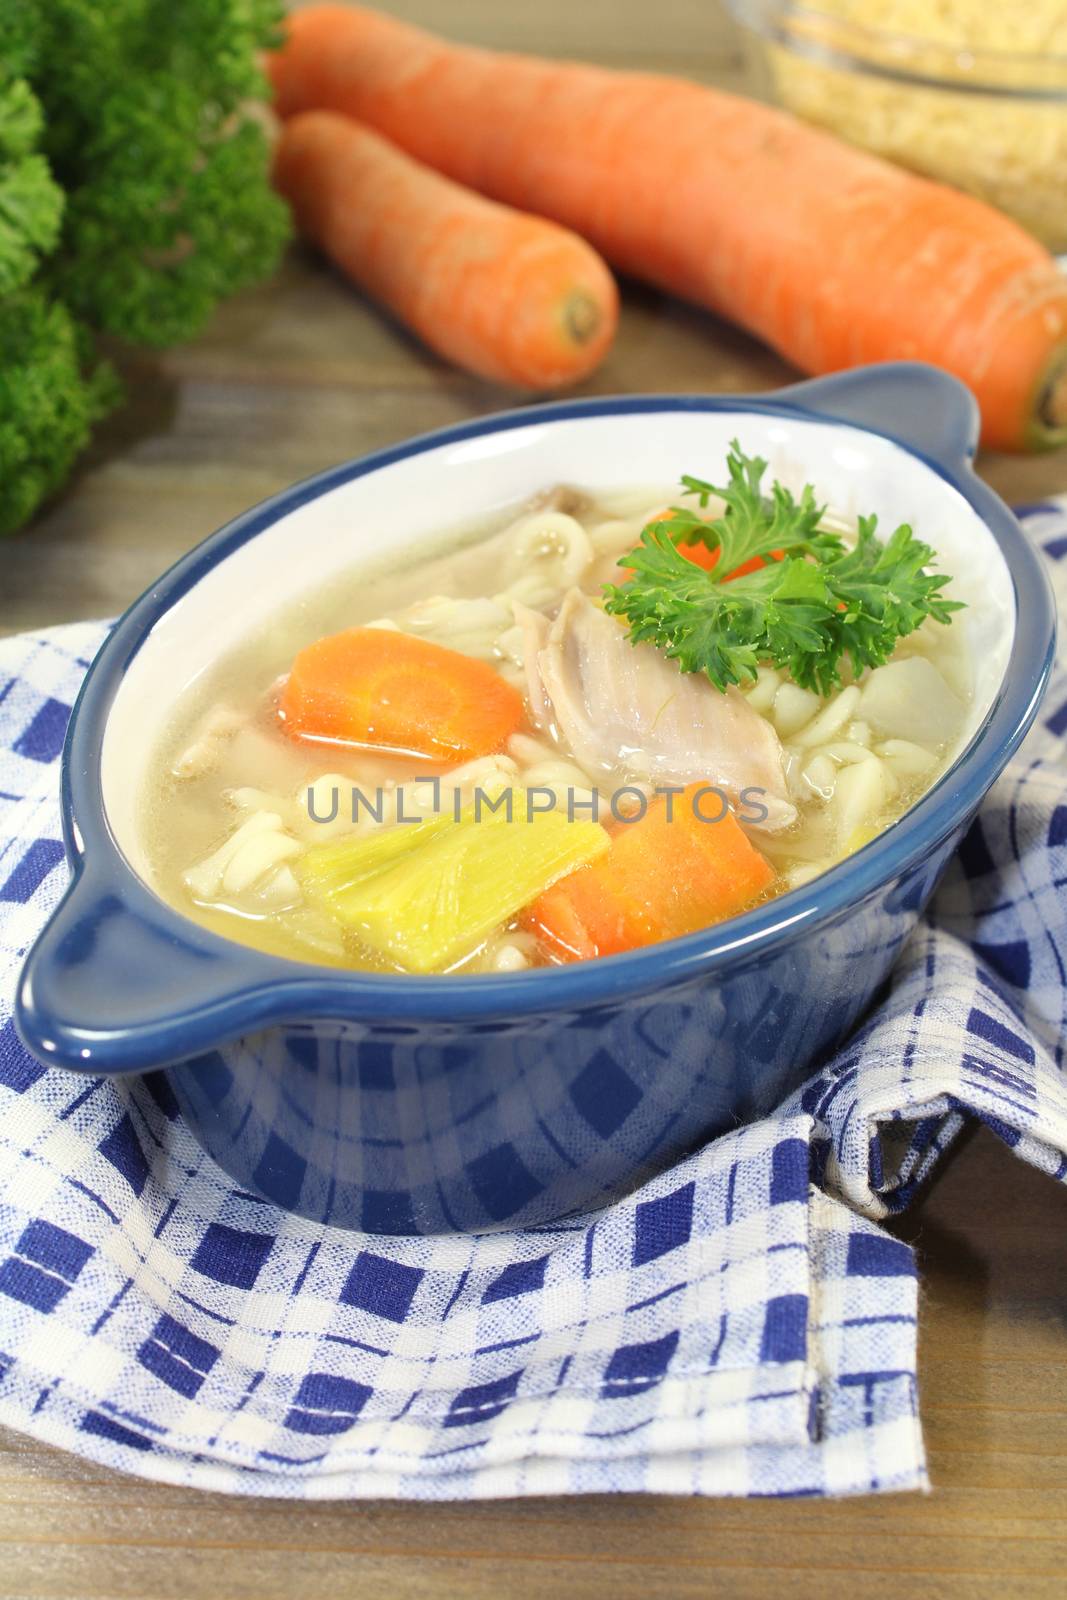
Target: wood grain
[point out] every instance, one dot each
(290, 379)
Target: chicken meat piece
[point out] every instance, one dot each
(628, 709)
(534, 629)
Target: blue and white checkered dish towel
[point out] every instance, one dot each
(740, 1326)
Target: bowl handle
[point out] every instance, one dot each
(920, 406)
(110, 987)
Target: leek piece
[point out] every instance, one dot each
(327, 870)
(435, 904)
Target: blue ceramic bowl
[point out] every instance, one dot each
(423, 1105)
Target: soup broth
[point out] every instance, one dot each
(271, 796)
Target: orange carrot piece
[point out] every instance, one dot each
(830, 255)
(513, 298)
(703, 556)
(378, 687)
(666, 875)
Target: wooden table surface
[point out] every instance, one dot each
(292, 378)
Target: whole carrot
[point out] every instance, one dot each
(828, 254)
(511, 297)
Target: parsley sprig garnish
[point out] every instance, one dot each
(815, 601)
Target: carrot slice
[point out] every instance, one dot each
(379, 687)
(666, 875)
(703, 556)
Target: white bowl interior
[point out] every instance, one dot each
(419, 497)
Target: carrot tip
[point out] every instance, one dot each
(1052, 410)
(582, 316)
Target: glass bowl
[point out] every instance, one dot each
(989, 121)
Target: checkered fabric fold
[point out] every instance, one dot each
(740, 1326)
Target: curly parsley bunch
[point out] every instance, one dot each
(782, 588)
(134, 196)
